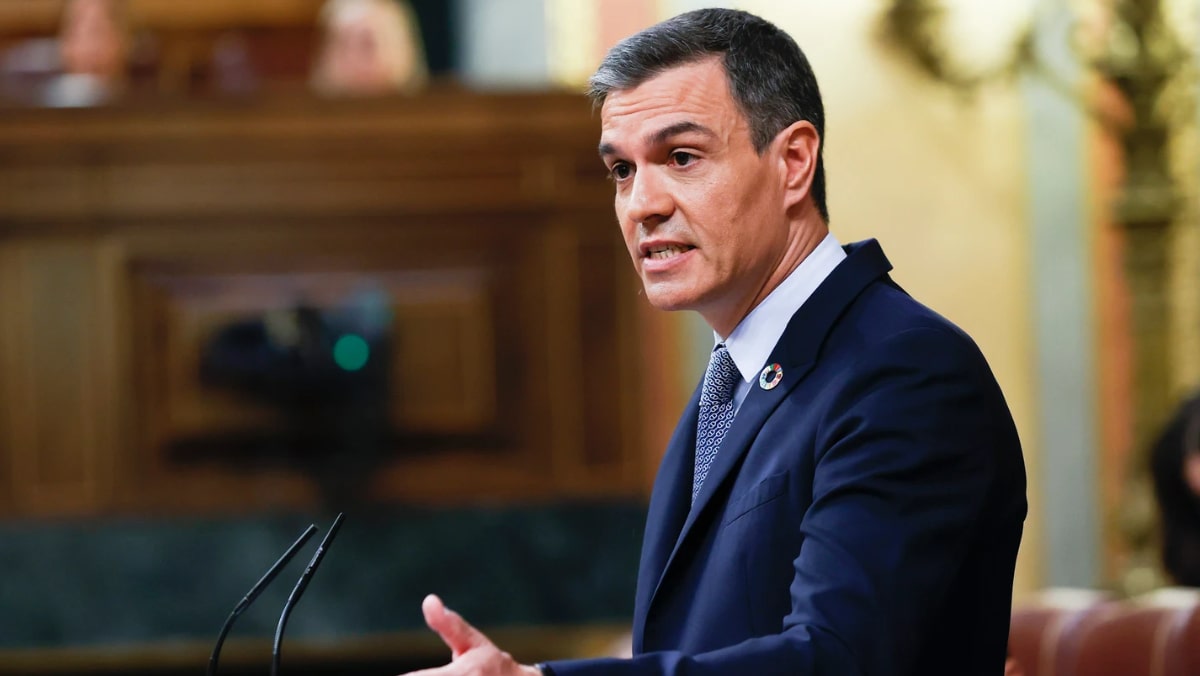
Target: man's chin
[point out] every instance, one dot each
(669, 300)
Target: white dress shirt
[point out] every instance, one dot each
(755, 337)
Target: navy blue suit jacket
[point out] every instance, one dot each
(861, 518)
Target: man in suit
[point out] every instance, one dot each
(845, 493)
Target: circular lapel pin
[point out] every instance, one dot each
(770, 377)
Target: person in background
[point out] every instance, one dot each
(85, 64)
(1175, 466)
(94, 47)
(369, 48)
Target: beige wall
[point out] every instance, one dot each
(940, 181)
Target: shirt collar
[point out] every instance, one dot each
(755, 337)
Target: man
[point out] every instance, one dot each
(845, 492)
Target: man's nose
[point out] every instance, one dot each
(649, 200)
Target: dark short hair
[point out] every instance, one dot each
(769, 77)
(1179, 506)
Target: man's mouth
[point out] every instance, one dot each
(668, 251)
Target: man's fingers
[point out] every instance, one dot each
(453, 629)
(437, 671)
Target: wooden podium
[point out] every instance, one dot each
(129, 235)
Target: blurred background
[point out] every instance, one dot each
(262, 262)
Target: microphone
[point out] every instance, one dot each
(298, 590)
(256, 590)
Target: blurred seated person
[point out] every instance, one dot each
(85, 65)
(369, 48)
(1175, 465)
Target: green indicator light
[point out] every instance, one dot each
(351, 352)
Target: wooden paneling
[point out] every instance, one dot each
(10, 364)
(42, 16)
(442, 353)
(130, 237)
(280, 161)
(58, 376)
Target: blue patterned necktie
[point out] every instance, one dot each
(716, 412)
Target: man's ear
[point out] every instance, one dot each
(799, 147)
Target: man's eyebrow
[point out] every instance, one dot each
(662, 135)
(676, 129)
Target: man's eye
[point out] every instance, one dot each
(621, 171)
(681, 158)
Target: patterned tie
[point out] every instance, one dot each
(716, 412)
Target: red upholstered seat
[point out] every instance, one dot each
(1154, 635)
(1118, 640)
(1028, 636)
(1183, 644)
(1038, 626)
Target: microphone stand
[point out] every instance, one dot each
(254, 592)
(298, 590)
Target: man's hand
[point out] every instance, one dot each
(472, 654)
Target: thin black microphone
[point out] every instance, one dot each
(253, 594)
(298, 590)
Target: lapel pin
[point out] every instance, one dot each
(770, 377)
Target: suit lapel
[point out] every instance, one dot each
(668, 509)
(797, 352)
